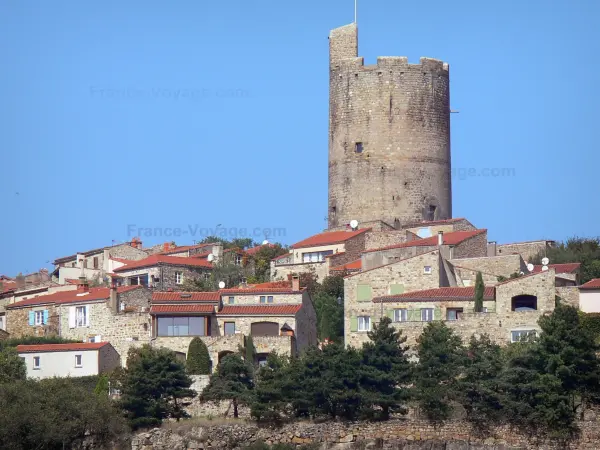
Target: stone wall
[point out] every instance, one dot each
(526, 249)
(467, 277)
(495, 266)
(108, 359)
(281, 271)
(215, 344)
(17, 321)
(126, 251)
(371, 260)
(472, 247)
(569, 295)
(379, 239)
(541, 285)
(397, 434)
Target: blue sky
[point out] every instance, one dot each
(192, 114)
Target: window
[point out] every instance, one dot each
(358, 147)
(524, 303)
(400, 315)
(182, 326)
(427, 269)
(484, 310)
(266, 299)
(95, 262)
(396, 289)
(364, 323)
(521, 335)
(238, 260)
(313, 257)
(178, 277)
(364, 293)
(431, 212)
(81, 318)
(231, 300)
(85, 263)
(2, 325)
(39, 317)
(133, 281)
(78, 361)
(427, 314)
(74, 264)
(229, 328)
(36, 362)
(453, 313)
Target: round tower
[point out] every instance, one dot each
(389, 137)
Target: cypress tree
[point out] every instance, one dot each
(479, 291)
(198, 361)
(250, 351)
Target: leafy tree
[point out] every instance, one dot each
(232, 380)
(227, 272)
(198, 360)
(385, 370)
(479, 291)
(480, 384)
(262, 261)
(12, 367)
(440, 357)
(333, 286)
(152, 385)
(270, 402)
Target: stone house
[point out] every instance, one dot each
(163, 272)
(97, 263)
(68, 360)
(511, 310)
(589, 296)
(196, 250)
(118, 315)
(320, 252)
(279, 319)
(567, 274)
(526, 249)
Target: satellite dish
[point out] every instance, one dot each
(211, 257)
(221, 284)
(265, 242)
(545, 261)
(521, 273)
(544, 268)
(530, 267)
(354, 224)
(424, 233)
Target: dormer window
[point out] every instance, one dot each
(358, 147)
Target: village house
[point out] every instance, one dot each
(118, 315)
(280, 319)
(589, 296)
(527, 249)
(162, 272)
(68, 360)
(196, 250)
(96, 264)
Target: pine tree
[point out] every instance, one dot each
(232, 380)
(385, 370)
(479, 291)
(152, 384)
(271, 398)
(198, 360)
(440, 357)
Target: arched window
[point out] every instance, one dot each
(524, 302)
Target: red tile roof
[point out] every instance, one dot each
(592, 284)
(559, 268)
(285, 255)
(8, 286)
(122, 260)
(155, 260)
(178, 309)
(272, 284)
(71, 297)
(329, 238)
(444, 293)
(61, 347)
(259, 290)
(354, 265)
(183, 248)
(427, 223)
(261, 310)
(452, 238)
(186, 296)
(71, 281)
(253, 250)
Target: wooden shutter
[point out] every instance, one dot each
(353, 323)
(45, 316)
(364, 293)
(31, 318)
(71, 317)
(437, 313)
(396, 289)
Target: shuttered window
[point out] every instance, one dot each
(364, 293)
(396, 289)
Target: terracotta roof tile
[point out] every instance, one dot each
(163, 259)
(61, 347)
(186, 296)
(183, 248)
(8, 286)
(351, 266)
(452, 238)
(282, 256)
(254, 250)
(559, 268)
(178, 309)
(443, 293)
(263, 310)
(272, 284)
(329, 238)
(592, 284)
(73, 296)
(259, 290)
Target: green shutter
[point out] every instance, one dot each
(390, 314)
(363, 293)
(414, 315)
(396, 289)
(437, 313)
(353, 323)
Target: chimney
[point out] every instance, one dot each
(440, 238)
(82, 285)
(295, 283)
(20, 280)
(113, 302)
(491, 248)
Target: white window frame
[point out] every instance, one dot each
(39, 318)
(364, 323)
(2, 322)
(178, 277)
(238, 260)
(427, 270)
(401, 315)
(231, 300)
(80, 363)
(81, 318)
(528, 331)
(37, 359)
(427, 314)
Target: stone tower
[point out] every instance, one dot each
(389, 137)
